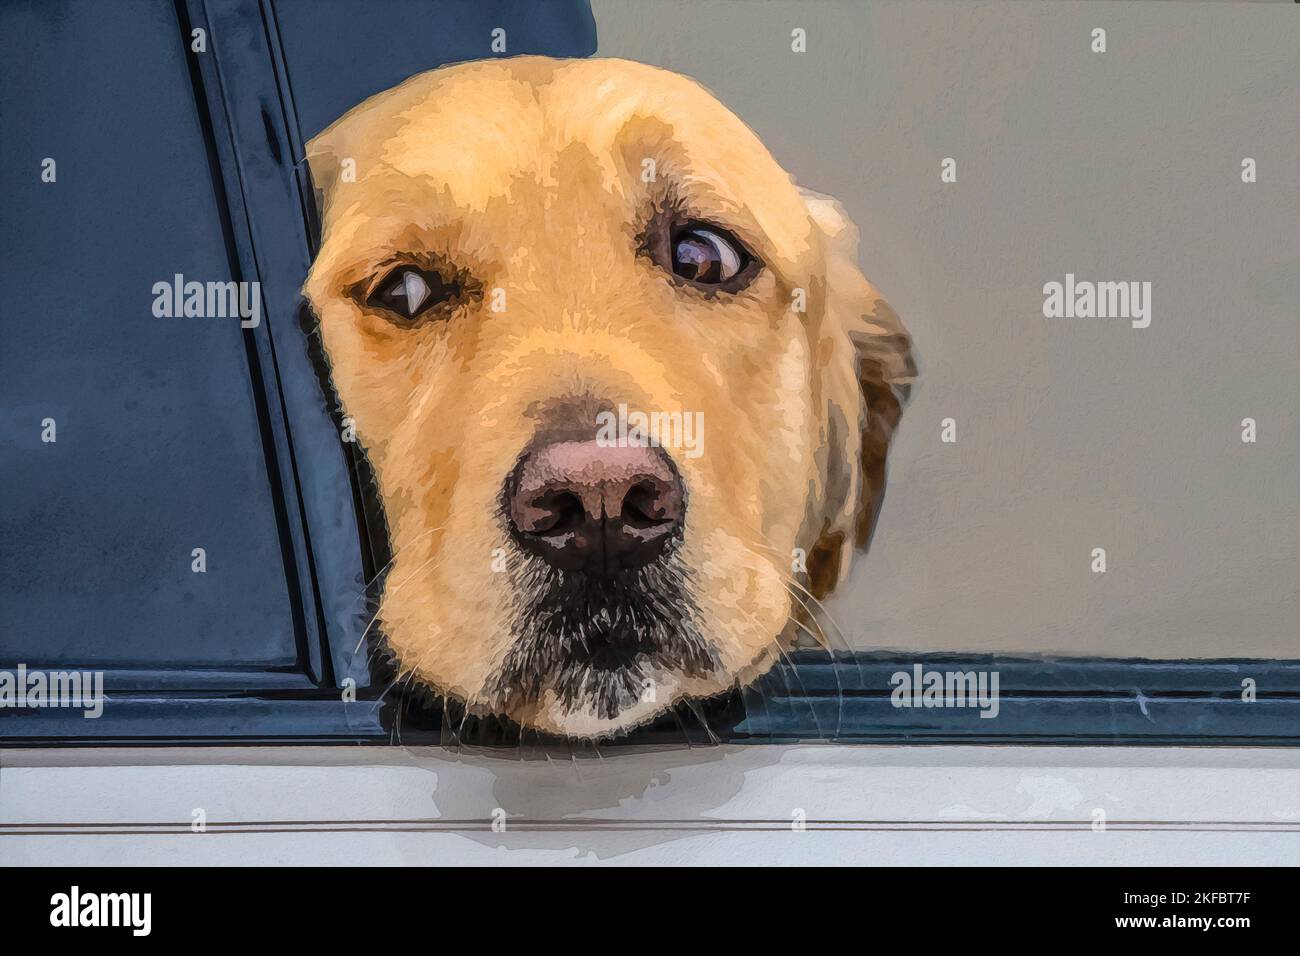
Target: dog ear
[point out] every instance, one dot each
(866, 370)
(322, 160)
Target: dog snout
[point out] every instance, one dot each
(581, 505)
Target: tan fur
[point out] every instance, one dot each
(526, 173)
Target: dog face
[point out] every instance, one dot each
(516, 255)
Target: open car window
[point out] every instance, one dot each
(1090, 534)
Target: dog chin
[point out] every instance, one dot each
(595, 655)
(554, 717)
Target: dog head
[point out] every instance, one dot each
(615, 374)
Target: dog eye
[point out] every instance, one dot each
(410, 292)
(706, 255)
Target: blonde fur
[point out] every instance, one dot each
(527, 175)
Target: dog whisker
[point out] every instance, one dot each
(389, 593)
(790, 581)
(790, 584)
(776, 644)
(366, 596)
(598, 642)
(406, 547)
(404, 678)
(694, 707)
(820, 638)
(686, 737)
(793, 671)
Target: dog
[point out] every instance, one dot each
(514, 253)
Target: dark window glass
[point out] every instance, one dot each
(159, 448)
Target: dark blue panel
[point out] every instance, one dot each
(339, 52)
(159, 445)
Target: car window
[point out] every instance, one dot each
(133, 441)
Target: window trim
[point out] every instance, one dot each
(808, 697)
(250, 110)
(1067, 701)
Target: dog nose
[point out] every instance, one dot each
(581, 505)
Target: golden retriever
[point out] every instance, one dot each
(515, 253)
